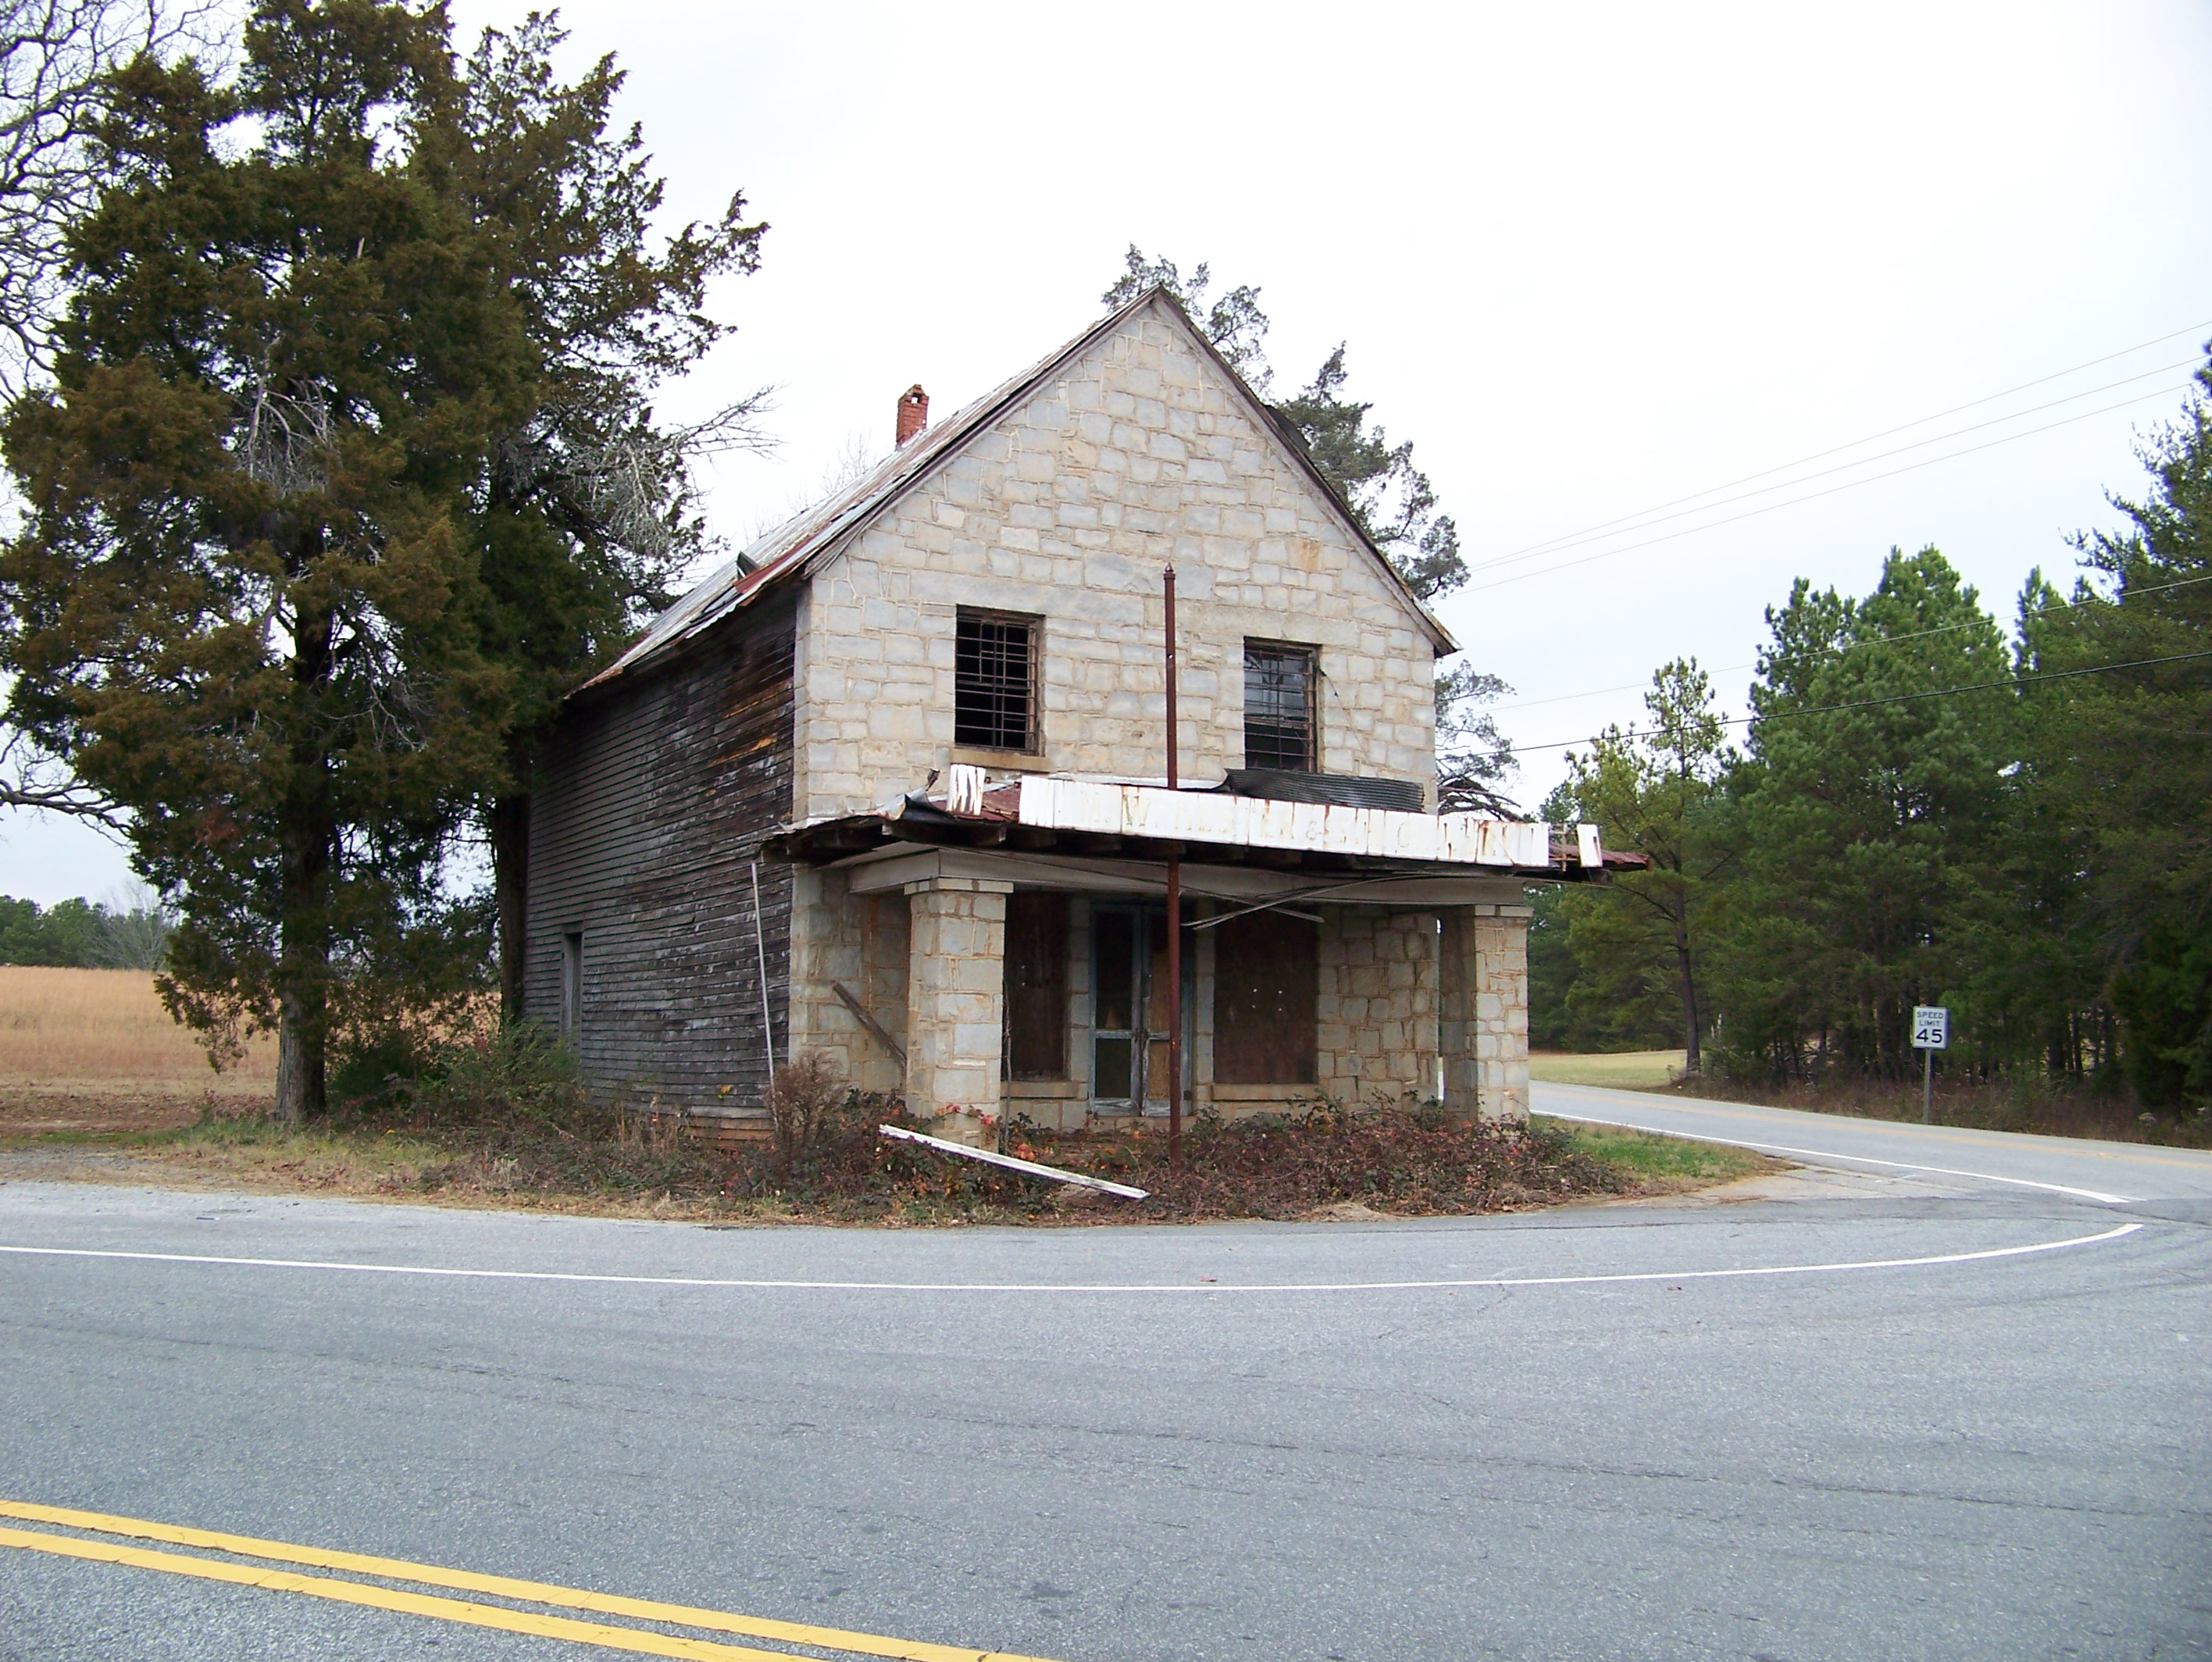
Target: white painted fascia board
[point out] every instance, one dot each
(1136, 811)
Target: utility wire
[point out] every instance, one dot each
(1907, 698)
(1837, 449)
(1917, 634)
(1850, 484)
(1653, 517)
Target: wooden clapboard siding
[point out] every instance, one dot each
(650, 808)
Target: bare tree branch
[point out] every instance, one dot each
(53, 54)
(29, 777)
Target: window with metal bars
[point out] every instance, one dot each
(995, 681)
(1278, 707)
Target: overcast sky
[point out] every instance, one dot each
(1591, 260)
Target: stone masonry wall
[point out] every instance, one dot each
(1376, 1004)
(863, 941)
(1486, 1011)
(1139, 454)
(956, 995)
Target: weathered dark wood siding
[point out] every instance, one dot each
(644, 823)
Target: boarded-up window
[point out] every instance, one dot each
(1037, 985)
(1263, 1000)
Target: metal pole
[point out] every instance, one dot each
(1175, 915)
(1927, 1087)
(1168, 583)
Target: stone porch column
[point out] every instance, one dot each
(955, 999)
(1484, 1026)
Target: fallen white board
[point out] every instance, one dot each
(991, 1157)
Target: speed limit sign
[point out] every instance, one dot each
(1931, 1027)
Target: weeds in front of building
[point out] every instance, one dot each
(504, 1118)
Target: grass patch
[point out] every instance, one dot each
(1633, 1070)
(1647, 1158)
(2032, 1105)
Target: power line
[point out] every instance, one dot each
(1907, 698)
(1887, 640)
(1813, 496)
(1837, 449)
(1653, 517)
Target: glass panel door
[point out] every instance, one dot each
(1114, 994)
(1129, 1008)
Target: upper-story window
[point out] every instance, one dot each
(1279, 683)
(994, 676)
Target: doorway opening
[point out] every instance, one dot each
(1129, 1009)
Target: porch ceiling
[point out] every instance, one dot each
(893, 868)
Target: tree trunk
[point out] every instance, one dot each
(305, 841)
(1692, 1061)
(510, 865)
(303, 974)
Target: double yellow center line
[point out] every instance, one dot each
(638, 1641)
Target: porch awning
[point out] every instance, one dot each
(1095, 820)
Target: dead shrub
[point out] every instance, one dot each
(802, 1111)
(1400, 1159)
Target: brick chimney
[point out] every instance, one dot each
(913, 412)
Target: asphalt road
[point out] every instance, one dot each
(2126, 1172)
(1581, 1434)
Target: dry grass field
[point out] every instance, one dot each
(92, 1050)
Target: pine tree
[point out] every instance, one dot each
(1641, 938)
(1869, 810)
(2118, 774)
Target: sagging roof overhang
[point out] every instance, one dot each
(1089, 819)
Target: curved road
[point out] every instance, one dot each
(2105, 1172)
(1953, 1405)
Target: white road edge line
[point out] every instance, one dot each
(1053, 1287)
(1855, 1159)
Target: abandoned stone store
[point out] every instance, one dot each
(891, 787)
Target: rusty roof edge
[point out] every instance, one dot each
(838, 516)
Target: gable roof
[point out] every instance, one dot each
(801, 544)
